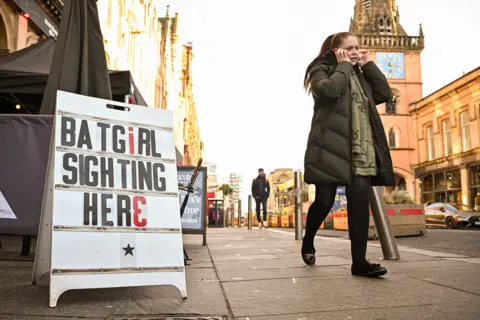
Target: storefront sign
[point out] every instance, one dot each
(111, 202)
(39, 17)
(193, 220)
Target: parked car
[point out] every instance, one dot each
(451, 216)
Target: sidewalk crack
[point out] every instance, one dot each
(225, 298)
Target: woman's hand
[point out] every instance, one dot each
(364, 58)
(342, 55)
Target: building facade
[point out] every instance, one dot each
(212, 177)
(276, 178)
(25, 22)
(193, 145)
(447, 129)
(132, 37)
(236, 183)
(376, 23)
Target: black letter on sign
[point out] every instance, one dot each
(123, 164)
(118, 146)
(144, 175)
(67, 167)
(106, 209)
(84, 136)
(159, 184)
(123, 207)
(94, 181)
(103, 134)
(154, 146)
(106, 171)
(68, 134)
(143, 141)
(87, 208)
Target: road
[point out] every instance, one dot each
(461, 242)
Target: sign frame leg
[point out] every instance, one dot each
(43, 253)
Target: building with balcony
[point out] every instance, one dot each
(376, 23)
(446, 128)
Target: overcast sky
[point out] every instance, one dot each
(251, 55)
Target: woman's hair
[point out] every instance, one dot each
(333, 41)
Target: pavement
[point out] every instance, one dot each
(259, 275)
(457, 241)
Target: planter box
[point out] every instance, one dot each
(284, 222)
(405, 219)
(272, 221)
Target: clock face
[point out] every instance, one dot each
(392, 64)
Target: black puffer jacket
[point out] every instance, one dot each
(328, 158)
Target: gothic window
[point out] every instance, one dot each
(393, 137)
(384, 24)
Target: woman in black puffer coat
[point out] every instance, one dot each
(347, 144)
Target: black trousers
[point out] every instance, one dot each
(358, 215)
(261, 201)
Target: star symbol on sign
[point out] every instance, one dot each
(128, 250)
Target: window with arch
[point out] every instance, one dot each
(393, 137)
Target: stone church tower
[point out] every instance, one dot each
(376, 23)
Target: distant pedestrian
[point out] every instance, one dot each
(261, 192)
(347, 144)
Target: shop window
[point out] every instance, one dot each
(474, 173)
(465, 130)
(427, 189)
(443, 186)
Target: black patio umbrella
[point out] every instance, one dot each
(79, 64)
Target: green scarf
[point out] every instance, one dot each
(363, 153)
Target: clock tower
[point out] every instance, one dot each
(376, 23)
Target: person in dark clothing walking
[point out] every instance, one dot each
(261, 192)
(347, 144)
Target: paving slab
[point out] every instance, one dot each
(240, 257)
(459, 277)
(396, 313)
(204, 297)
(215, 252)
(462, 310)
(254, 298)
(287, 273)
(411, 267)
(278, 263)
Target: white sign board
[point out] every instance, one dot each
(114, 218)
(6, 211)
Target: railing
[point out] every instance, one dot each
(391, 42)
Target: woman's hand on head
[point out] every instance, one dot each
(342, 55)
(364, 57)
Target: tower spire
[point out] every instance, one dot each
(376, 17)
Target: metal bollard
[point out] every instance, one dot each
(224, 215)
(239, 213)
(298, 205)
(384, 229)
(232, 213)
(249, 212)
